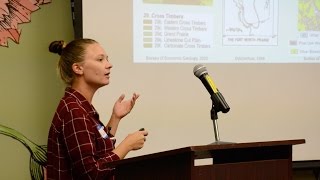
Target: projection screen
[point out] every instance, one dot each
(263, 57)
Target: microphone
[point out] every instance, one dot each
(219, 103)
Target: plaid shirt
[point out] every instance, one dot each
(76, 148)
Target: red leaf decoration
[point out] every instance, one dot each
(13, 13)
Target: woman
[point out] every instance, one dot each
(79, 145)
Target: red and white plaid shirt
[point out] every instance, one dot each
(76, 149)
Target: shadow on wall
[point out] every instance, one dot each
(38, 157)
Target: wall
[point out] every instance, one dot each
(30, 86)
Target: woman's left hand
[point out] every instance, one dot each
(123, 107)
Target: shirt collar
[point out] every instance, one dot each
(82, 100)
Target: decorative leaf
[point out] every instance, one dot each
(13, 13)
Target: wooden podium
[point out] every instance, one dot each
(270, 160)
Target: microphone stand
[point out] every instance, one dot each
(214, 117)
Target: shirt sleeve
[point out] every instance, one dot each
(80, 138)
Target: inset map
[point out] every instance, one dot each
(309, 15)
(251, 18)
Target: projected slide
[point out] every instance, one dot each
(230, 31)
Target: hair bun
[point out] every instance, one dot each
(56, 47)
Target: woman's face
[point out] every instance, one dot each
(96, 66)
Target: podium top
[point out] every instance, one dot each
(202, 151)
(206, 151)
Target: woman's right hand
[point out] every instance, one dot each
(132, 142)
(136, 140)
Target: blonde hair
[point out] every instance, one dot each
(71, 53)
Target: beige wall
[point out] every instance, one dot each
(30, 87)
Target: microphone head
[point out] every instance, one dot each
(199, 70)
